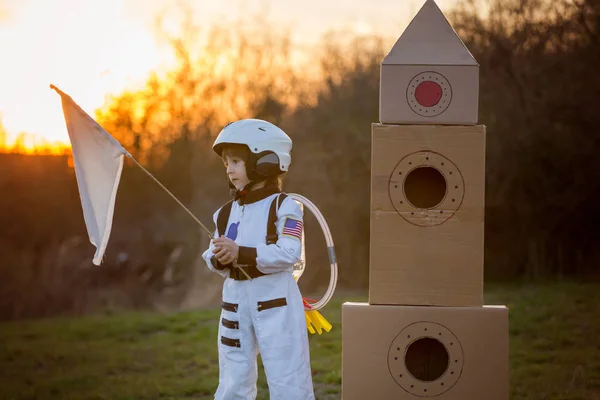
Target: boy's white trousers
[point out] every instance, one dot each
(263, 315)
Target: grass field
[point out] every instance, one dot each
(554, 338)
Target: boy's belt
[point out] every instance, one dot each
(251, 270)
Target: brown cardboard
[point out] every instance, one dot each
(453, 353)
(429, 76)
(433, 254)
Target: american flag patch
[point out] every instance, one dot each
(292, 227)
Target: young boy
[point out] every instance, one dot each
(262, 309)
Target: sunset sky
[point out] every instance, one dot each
(90, 48)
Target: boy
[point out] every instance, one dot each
(262, 308)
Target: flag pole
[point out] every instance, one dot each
(210, 234)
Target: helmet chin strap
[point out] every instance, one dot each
(237, 194)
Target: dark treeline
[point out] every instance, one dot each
(538, 99)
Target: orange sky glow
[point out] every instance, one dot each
(94, 48)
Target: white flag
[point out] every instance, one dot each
(98, 160)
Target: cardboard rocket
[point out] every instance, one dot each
(425, 331)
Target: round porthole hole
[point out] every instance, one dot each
(426, 359)
(425, 187)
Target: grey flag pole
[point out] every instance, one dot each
(210, 234)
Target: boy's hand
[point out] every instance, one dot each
(226, 250)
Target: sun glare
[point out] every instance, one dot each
(85, 48)
(93, 48)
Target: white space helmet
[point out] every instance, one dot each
(270, 147)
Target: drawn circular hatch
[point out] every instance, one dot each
(425, 359)
(429, 94)
(426, 188)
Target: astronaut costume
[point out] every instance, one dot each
(264, 314)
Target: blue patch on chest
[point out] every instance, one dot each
(232, 232)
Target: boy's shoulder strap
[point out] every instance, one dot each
(223, 217)
(272, 235)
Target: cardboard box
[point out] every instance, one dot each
(404, 352)
(427, 215)
(429, 76)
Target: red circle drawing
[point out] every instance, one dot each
(428, 93)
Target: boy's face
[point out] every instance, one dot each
(236, 171)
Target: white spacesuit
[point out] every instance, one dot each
(264, 314)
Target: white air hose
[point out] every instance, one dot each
(330, 251)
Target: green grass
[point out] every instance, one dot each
(554, 330)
